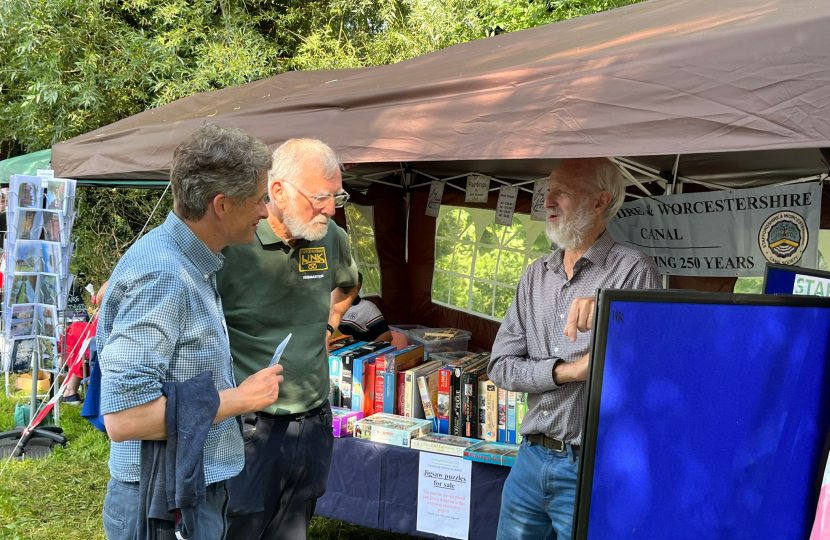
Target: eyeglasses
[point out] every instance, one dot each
(321, 201)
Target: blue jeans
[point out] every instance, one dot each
(538, 498)
(121, 514)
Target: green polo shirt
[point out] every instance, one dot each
(270, 289)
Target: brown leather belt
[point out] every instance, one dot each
(549, 442)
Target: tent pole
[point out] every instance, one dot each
(630, 177)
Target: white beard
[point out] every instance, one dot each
(570, 233)
(312, 231)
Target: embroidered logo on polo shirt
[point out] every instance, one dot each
(313, 259)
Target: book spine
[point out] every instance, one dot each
(521, 407)
(443, 413)
(407, 404)
(438, 448)
(502, 415)
(369, 385)
(390, 399)
(399, 392)
(491, 413)
(469, 416)
(511, 417)
(455, 420)
(429, 413)
(357, 384)
(483, 457)
(380, 386)
(334, 378)
(482, 408)
(346, 381)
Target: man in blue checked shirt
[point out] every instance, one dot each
(162, 322)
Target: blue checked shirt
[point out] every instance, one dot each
(162, 321)
(531, 339)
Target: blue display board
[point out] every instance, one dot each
(781, 279)
(706, 418)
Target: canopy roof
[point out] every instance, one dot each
(727, 79)
(25, 164)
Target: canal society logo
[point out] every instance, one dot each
(783, 238)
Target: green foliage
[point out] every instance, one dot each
(108, 222)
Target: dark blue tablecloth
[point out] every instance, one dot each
(376, 485)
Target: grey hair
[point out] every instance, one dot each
(604, 175)
(214, 160)
(293, 155)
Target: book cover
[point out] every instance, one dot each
(392, 429)
(343, 421)
(511, 417)
(491, 413)
(493, 452)
(440, 443)
(521, 408)
(428, 386)
(347, 362)
(502, 415)
(369, 385)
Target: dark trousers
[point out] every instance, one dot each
(286, 470)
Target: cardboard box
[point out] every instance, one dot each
(392, 429)
(343, 421)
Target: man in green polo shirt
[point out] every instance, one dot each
(296, 277)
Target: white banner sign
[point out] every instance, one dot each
(45, 173)
(436, 193)
(444, 495)
(537, 210)
(478, 189)
(506, 205)
(724, 233)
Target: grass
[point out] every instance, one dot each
(60, 497)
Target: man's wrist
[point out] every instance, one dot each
(330, 328)
(557, 376)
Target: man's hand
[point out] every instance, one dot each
(580, 317)
(257, 392)
(573, 372)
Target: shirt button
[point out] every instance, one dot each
(561, 315)
(207, 277)
(556, 349)
(567, 284)
(546, 413)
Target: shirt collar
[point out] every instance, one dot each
(266, 234)
(356, 300)
(596, 254)
(192, 246)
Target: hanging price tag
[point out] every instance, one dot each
(436, 193)
(540, 190)
(506, 205)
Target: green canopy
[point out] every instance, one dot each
(30, 163)
(26, 164)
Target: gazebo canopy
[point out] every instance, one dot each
(720, 83)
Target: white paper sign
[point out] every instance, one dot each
(444, 495)
(436, 193)
(45, 173)
(540, 190)
(478, 189)
(811, 286)
(506, 205)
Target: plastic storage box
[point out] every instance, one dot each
(400, 334)
(432, 344)
(448, 357)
